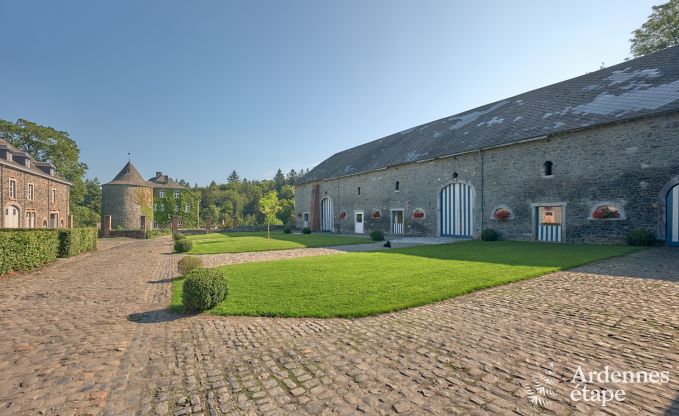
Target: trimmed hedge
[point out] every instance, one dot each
(23, 250)
(27, 249)
(640, 237)
(488, 235)
(306, 230)
(178, 236)
(76, 240)
(377, 235)
(189, 263)
(203, 289)
(182, 246)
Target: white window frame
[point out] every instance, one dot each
(53, 195)
(30, 191)
(12, 189)
(187, 207)
(176, 194)
(161, 193)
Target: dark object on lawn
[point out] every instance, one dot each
(640, 237)
(387, 244)
(488, 235)
(306, 230)
(188, 264)
(178, 236)
(183, 245)
(287, 230)
(377, 235)
(203, 289)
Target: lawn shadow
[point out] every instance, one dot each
(161, 281)
(657, 263)
(156, 316)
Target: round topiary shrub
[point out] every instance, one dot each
(377, 235)
(203, 289)
(488, 235)
(287, 230)
(182, 246)
(189, 263)
(306, 230)
(178, 236)
(640, 237)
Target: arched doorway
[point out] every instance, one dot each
(12, 217)
(673, 216)
(326, 214)
(457, 210)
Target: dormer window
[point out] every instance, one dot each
(161, 193)
(27, 162)
(176, 194)
(9, 157)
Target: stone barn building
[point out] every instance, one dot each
(32, 193)
(583, 160)
(128, 197)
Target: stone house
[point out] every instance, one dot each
(32, 193)
(583, 160)
(128, 197)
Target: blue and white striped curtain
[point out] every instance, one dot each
(457, 210)
(673, 217)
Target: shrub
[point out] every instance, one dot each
(182, 246)
(203, 289)
(306, 230)
(488, 235)
(23, 250)
(640, 237)
(189, 263)
(287, 230)
(178, 236)
(377, 235)
(76, 240)
(156, 233)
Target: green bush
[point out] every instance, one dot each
(178, 236)
(23, 250)
(306, 230)
(640, 237)
(287, 230)
(74, 241)
(488, 235)
(203, 289)
(156, 233)
(189, 263)
(182, 246)
(377, 235)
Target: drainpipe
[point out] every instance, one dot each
(483, 215)
(339, 205)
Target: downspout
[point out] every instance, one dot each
(483, 215)
(339, 220)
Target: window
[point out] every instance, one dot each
(54, 195)
(398, 185)
(359, 190)
(9, 157)
(176, 194)
(29, 192)
(549, 168)
(27, 162)
(12, 189)
(550, 215)
(176, 208)
(161, 207)
(606, 212)
(161, 193)
(188, 207)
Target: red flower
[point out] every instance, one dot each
(343, 214)
(502, 214)
(605, 212)
(418, 213)
(375, 214)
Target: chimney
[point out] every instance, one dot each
(159, 174)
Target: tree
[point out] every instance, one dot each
(279, 180)
(92, 197)
(660, 31)
(292, 177)
(48, 144)
(270, 206)
(233, 177)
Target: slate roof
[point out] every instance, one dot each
(129, 175)
(164, 181)
(35, 167)
(636, 88)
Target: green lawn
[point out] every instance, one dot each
(359, 284)
(257, 241)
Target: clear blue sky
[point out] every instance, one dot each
(199, 88)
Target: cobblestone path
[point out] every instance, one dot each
(92, 335)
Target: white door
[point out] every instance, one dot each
(457, 210)
(358, 222)
(397, 221)
(54, 220)
(305, 217)
(12, 214)
(326, 214)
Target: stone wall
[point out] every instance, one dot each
(626, 165)
(41, 203)
(122, 203)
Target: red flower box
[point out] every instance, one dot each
(418, 213)
(343, 214)
(605, 212)
(502, 214)
(376, 214)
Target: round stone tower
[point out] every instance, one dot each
(126, 198)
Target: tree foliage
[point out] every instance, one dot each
(270, 206)
(660, 31)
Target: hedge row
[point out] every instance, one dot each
(26, 249)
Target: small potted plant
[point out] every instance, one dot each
(418, 214)
(376, 214)
(342, 214)
(502, 214)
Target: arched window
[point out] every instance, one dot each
(398, 184)
(606, 212)
(549, 168)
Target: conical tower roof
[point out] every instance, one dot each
(129, 175)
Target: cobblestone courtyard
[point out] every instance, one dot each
(92, 335)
